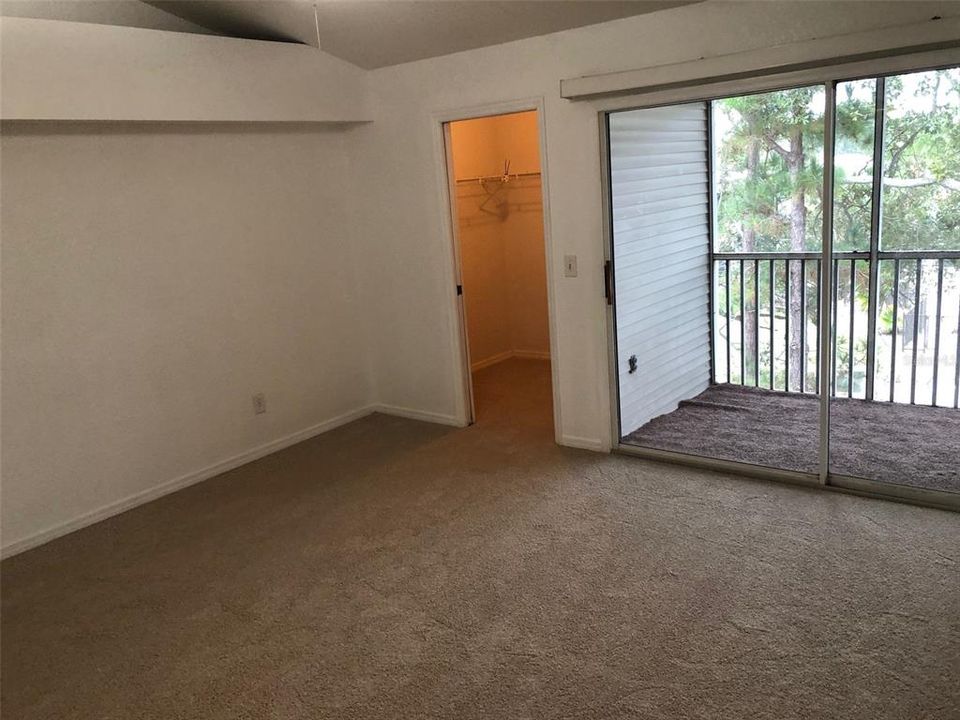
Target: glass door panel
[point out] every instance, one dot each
(896, 321)
(716, 248)
(659, 185)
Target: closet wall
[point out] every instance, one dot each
(501, 237)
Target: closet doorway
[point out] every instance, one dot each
(497, 217)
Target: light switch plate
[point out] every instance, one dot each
(570, 265)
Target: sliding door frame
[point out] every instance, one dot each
(826, 324)
(829, 78)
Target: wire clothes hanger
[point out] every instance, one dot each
(501, 206)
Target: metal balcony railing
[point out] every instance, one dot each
(895, 325)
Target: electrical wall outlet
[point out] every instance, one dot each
(259, 404)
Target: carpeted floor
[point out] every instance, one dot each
(395, 569)
(901, 444)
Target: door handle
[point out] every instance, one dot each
(608, 282)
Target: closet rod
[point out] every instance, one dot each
(484, 178)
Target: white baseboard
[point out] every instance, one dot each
(178, 483)
(492, 360)
(583, 443)
(231, 463)
(532, 354)
(412, 414)
(507, 355)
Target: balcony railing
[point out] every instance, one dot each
(898, 343)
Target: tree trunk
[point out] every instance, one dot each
(798, 231)
(749, 246)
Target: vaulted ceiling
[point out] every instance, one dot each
(368, 33)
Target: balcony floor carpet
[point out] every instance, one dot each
(397, 569)
(902, 444)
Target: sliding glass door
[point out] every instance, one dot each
(740, 335)
(768, 173)
(894, 412)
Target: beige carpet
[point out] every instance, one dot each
(394, 569)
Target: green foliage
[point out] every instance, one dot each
(922, 145)
(769, 162)
(856, 107)
(770, 174)
(885, 320)
(770, 149)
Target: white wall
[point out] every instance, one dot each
(404, 230)
(524, 253)
(157, 274)
(484, 278)
(57, 70)
(480, 146)
(154, 278)
(660, 195)
(503, 272)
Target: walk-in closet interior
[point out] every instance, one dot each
(500, 245)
